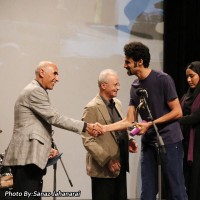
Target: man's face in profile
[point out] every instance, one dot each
(50, 76)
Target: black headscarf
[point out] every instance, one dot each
(192, 92)
(195, 66)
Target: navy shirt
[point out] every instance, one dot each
(161, 89)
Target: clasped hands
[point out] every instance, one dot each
(95, 129)
(114, 166)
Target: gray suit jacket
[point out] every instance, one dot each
(103, 148)
(32, 135)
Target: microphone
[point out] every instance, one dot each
(141, 92)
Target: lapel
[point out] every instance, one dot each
(103, 109)
(118, 107)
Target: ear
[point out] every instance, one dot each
(103, 85)
(140, 62)
(41, 73)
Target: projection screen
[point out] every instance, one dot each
(82, 37)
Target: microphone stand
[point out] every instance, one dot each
(138, 109)
(159, 145)
(55, 170)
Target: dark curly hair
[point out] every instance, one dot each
(137, 51)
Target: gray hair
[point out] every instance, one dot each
(42, 64)
(103, 76)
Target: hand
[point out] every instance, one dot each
(144, 127)
(94, 129)
(133, 146)
(53, 153)
(114, 166)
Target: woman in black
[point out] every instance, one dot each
(190, 123)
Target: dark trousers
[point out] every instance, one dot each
(172, 168)
(110, 188)
(28, 180)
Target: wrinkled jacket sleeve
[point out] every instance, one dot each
(39, 103)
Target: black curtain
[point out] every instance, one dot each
(181, 38)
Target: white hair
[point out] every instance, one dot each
(103, 76)
(42, 64)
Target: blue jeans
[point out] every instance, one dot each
(172, 170)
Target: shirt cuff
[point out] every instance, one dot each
(84, 127)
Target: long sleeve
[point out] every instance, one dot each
(191, 119)
(38, 101)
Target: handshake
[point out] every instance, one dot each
(95, 129)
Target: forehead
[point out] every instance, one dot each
(190, 71)
(112, 78)
(128, 60)
(52, 69)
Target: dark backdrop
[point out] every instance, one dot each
(181, 38)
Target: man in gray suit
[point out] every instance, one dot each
(31, 143)
(107, 155)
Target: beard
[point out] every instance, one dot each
(129, 72)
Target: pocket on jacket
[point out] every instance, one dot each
(35, 136)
